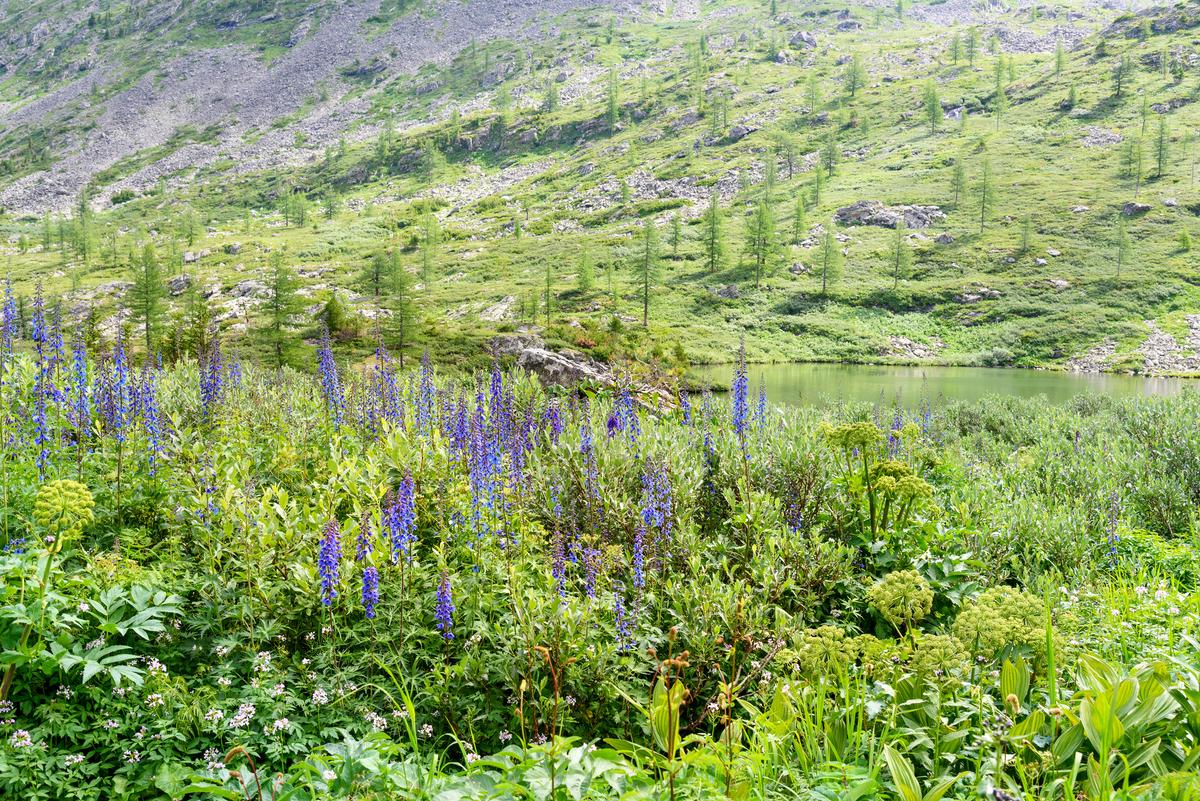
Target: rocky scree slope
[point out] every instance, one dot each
(265, 111)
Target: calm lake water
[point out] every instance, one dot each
(809, 384)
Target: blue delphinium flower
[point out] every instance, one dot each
(364, 544)
(558, 564)
(554, 421)
(460, 429)
(558, 569)
(391, 408)
(685, 407)
(740, 390)
(587, 449)
(639, 557)
(151, 418)
(613, 424)
(591, 570)
(117, 406)
(212, 379)
(370, 590)
(329, 561)
(426, 396)
(499, 410)
(9, 324)
(630, 423)
(80, 412)
(42, 385)
(657, 503)
(331, 382)
(445, 607)
(401, 519)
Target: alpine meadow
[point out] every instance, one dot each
(599, 400)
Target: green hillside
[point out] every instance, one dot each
(528, 169)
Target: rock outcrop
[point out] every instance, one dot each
(568, 368)
(874, 212)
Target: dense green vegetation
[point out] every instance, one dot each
(360, 584)
(274, 523)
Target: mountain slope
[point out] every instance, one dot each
(298, 76)
(502, 173)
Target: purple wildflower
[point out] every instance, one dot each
(554, 420)
(42, 385)
(212, 381)
(80, 411)
(426, 396)
(445, 607)
(370, 591)
(329, 561)
(740, 389)
(639, 557)
(151, 418)
(587, 450)
(331, 383)
(365, 542)
(401, 519)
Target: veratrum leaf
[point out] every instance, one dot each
(902, 775)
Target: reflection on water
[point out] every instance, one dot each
(814, 384)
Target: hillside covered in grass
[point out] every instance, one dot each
(647, 180)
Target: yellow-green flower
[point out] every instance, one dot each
(62, 508)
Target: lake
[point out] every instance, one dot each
(810, 384)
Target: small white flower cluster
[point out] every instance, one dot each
(132, 757)
(262, 662)
(242, 719)
(277, 690)
(111, 724)
(154, 700)
(65, 692)
(378, 722)
(426, 730)
(20, 739)
(280, 724)
(212, 759)
(222, 650)
(320, 697)
(71, 760)
(505, 736)
(94, 644)
(224, 681)
(155, 668)
(214, 716)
